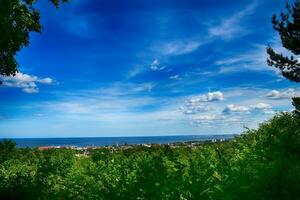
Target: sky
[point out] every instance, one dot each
(143, 68)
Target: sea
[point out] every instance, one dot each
(109, 141)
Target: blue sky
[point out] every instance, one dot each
(128, 68)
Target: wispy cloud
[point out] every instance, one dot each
(230, 27)
(116, 104)
(79, 25)
(175, 77)
(252, 60)
(124, 89)
(135, 71)
(144, 87)
(180, 47)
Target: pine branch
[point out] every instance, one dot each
(289, 67)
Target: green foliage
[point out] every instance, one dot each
(296, 104)
(288, 28)
(7, 149)
(18, 18)
(259, 164)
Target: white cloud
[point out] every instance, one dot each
(211, 96)
(275, 94)
(235, 108)
(199, 104)
(232, 26)
(30, 90)
(232, 110)
(45, 81)
(215, 96)
(261, 106)
(28, 83)
(156, 66)
(19, 79)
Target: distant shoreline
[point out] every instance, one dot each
(98, 142)
(130, 136)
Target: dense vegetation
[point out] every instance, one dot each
(259, 164)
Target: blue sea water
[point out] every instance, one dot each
(104, 141)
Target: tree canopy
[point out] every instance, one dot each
(288, 27)
(18, 18)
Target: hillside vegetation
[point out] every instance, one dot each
(259, 164)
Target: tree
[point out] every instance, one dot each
(18, 18)
(288, 27)
(296, 103)
(7, 149)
